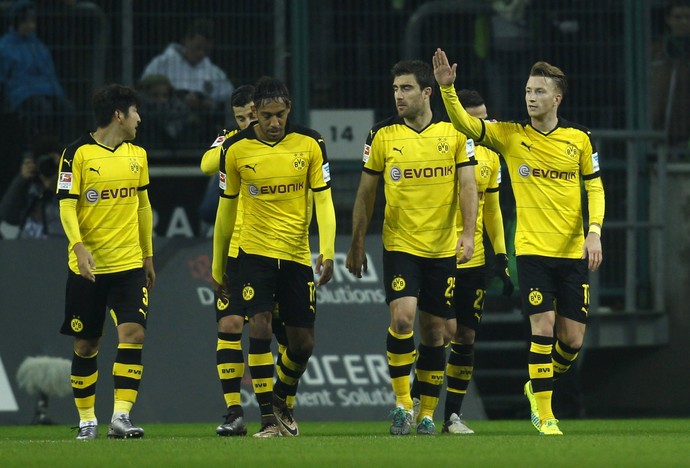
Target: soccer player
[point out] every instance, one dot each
(106, 214)
(422, 160)
(273, 164)
(470, 277)
(547, 157)
(229, 357)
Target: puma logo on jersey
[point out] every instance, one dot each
(68, 162)
(253, 168)
(399, 150)
(529, 147)
(97, 171)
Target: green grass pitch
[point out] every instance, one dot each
(653, 443)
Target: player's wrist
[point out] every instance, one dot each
(595, 228)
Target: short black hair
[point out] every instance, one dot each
(470, 98)
(422, 72)
(242, 96)
(110, 98)
(269, 89)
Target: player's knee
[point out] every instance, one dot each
(464, 335)
(302, 350)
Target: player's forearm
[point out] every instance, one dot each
(145, 217)
(222, 233)
(493, 222)
(461, 120)
(70, 222)
(325, 217)
(596, 203)
(468, 199)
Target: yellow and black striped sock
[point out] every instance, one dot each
(230, 365)
(429, 372)
(291, 396)
(84, 375)
(562, 358)
(127, 372)
(290, 368)
(541, 373)
(401, 356)
(260, 361)
(458, 375)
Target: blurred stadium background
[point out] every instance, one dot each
(336, 56)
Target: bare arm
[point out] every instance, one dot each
(468, 208)
(361, 215)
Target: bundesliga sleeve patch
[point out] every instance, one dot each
(65, 181)
(218, 141)
(469, 148)
(222, 181)
(326, 170)
(365, 155)
(498, 177)
(595, 161)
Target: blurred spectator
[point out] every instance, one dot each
(669, 77)
(168, 119)
(28, 80)
(29, 207)
(203, 86)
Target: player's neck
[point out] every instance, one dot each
(421, 121)
(546, 123)
(107, 136)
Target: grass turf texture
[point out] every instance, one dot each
(591, 443)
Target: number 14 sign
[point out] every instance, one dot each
(344, 130)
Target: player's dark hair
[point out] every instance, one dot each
(550, 71)
(242, 96)
(110, 98)
(269, 89)
(470, 98)
(422, 72)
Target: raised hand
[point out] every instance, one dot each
(443, 71)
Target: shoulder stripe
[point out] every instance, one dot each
(230, 197)
(62, 194)
(492, 190)
(321, 189)
(591, 176)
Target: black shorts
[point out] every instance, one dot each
(470, 291)
(234, 306)
(560, 284)
(431, 280)
(267, 281)
(124, 294)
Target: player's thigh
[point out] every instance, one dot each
(296, 295)
(402, 276)
(470, 293)
(128, 297)
(85, 304)
(537, 278)
(572, 299)
(437, 291)
(259, 280)
(232, 306)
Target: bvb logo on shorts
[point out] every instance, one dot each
(247, 293)
(535, 298)
(221, 304)
(76, 325)
(398, 284)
